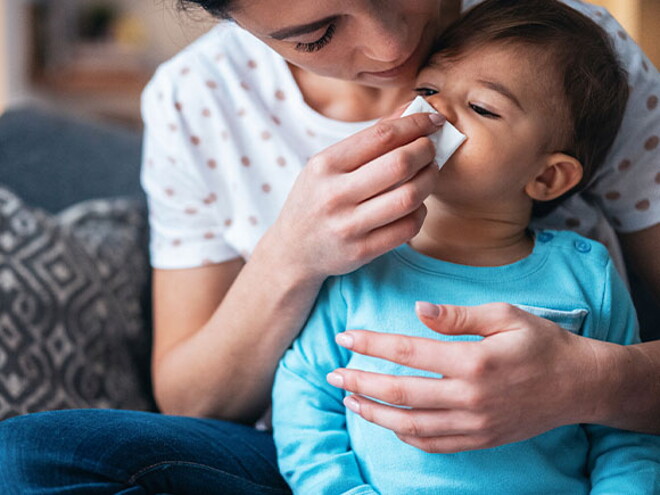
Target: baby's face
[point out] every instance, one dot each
(507, 101)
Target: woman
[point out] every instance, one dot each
(229, 126)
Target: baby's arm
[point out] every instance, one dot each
(309, 418)
(621, 461)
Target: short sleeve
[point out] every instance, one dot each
(627, 187)
(189, 211)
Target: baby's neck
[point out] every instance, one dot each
(474, 239)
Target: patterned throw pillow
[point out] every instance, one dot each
(72, 329)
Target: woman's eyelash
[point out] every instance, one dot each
(482, 111)
(319, 43)
(425, 91)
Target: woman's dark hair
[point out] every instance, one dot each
(217, 8)
(595, 85)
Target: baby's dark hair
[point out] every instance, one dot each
(217, 8)
(594, 83)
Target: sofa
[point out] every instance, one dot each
(75, 326)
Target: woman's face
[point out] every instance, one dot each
(379, 43)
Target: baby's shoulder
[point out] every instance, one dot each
(572, 246)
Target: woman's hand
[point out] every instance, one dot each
(358, 198)
(525, 377)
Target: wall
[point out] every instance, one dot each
(167, 31)
(4, 83)
(627, 12)
(14, 51)
(650, 30)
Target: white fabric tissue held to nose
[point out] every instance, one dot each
(446, 140)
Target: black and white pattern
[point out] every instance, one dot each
(72, 329)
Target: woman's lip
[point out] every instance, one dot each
(396, 70)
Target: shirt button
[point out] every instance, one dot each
(582, 246)
(545, 237)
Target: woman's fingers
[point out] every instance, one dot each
(449, 444)
(420, 423)
(375, 141)
(318, 222)
(442, 357)
(396, 203)
(392, 169)
(486, 319)
(409, 391)
(394, 234)
(519, 381)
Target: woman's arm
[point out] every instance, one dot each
(220, 330)
(527, 376)
(641, 250)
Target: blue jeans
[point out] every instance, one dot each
(104, 452)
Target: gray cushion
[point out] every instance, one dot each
(72, 332)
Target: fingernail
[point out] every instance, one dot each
(352, 404)
(437, 119)
(426, 309)
(344, 340)
(335, 379)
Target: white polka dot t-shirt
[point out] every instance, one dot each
(227, 131)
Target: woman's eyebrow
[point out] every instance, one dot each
(291, 31)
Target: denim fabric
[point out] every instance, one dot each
(103, 452)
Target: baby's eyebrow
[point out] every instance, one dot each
(503, 90)
(291, 31)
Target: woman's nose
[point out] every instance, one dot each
(385, 39)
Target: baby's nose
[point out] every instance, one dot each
(446, 140)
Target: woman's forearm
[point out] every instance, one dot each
(226, 369)
(628, 387)
(344, 209)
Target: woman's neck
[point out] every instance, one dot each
(346, 100)
(473, 238)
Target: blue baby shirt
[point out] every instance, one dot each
(323, 448)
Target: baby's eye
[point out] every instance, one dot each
(482, 111)
(425, 92)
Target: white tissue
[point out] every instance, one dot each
(446, 140)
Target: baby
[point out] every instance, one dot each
(538, 92)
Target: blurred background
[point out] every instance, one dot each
(93, 57)
(89, 57)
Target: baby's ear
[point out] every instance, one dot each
(559, 174)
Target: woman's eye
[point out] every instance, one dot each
(319, 43)
(425, 91)
(482, 111)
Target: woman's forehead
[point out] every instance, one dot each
(265, 16)
(269, 15)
